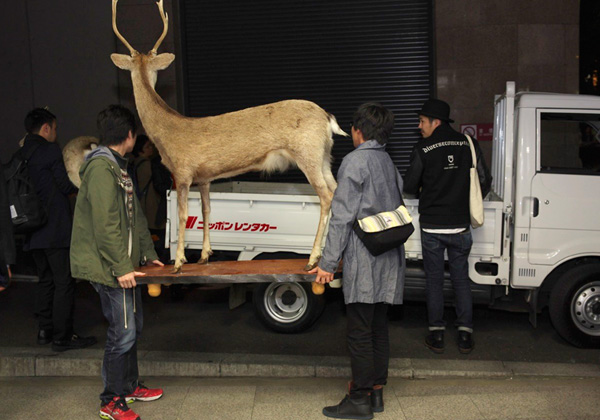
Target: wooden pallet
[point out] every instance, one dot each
(255, 271)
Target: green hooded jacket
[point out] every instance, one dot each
(100, 238)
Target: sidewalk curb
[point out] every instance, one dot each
(18, 361)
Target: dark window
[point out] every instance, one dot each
(339, 54)
(570, 143)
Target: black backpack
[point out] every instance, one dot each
(26, 209)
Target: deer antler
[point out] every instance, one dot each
(165, 19)
(114, 23)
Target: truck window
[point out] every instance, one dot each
(570, 143)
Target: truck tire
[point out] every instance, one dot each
(287, 307)
(575, 305)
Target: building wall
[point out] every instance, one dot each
(482, 44)
(58, 55)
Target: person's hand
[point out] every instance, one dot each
(323, 276)
(158, 262)
(127, 281)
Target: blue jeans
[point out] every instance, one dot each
(120, 366)
(458, 246)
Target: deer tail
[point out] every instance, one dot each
(335, 128)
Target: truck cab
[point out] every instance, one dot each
(546, 168)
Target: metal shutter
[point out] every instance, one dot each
(339, 54)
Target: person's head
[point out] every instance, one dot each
(42, 122)
(116, 125)
(433, 113)
(143, 147)
(372, 121)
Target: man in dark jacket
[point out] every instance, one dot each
(439, 175)
(55, 293)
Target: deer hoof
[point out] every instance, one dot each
(203, 260)
(176, 269)
(312, 264)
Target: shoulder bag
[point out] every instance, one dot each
(475, 198)
(385, 231)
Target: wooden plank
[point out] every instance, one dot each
(255, 271)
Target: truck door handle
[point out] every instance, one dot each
(536, 206)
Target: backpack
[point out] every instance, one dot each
(26, 209)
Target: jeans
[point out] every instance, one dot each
(120, 365)
(369, 345)
(55, 292)
(459, 247)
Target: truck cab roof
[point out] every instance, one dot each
(556, 100)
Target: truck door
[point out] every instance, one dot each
(565, 190)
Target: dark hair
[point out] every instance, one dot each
(36, 118)
(140, 142)
(114, 124)
(374, 121)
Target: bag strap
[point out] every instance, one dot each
(27, 156)
(473, 155)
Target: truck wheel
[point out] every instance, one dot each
(287, 307)
(575, 305)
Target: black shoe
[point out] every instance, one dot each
(75, 342)
(351, 408)
(435, 341)
(465, 342)
(377, 400)
(44, 337)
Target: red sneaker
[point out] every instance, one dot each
(117, 410)
(141, 393)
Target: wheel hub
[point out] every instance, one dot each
(586, 308)
(285, 302)
(288, 298)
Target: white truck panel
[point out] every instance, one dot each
(285, 221)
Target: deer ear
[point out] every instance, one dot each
(162, 61)
(122, 61)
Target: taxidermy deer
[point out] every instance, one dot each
(264, 138)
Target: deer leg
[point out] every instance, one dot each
(317, 180)
(329, 179)
(205, 195)
(182, 202)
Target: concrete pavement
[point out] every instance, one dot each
(540, 398)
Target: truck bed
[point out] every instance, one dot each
(255, 218)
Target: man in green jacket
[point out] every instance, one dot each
(110, 238)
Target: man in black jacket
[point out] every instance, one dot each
(49, 245)
(439, 175)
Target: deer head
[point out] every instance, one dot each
(149, 63)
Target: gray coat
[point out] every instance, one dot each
(368, 183)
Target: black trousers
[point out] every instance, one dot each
(55, 293)
(369, 345)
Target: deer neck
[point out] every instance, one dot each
(152, 109)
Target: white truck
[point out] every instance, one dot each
(539, 245)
